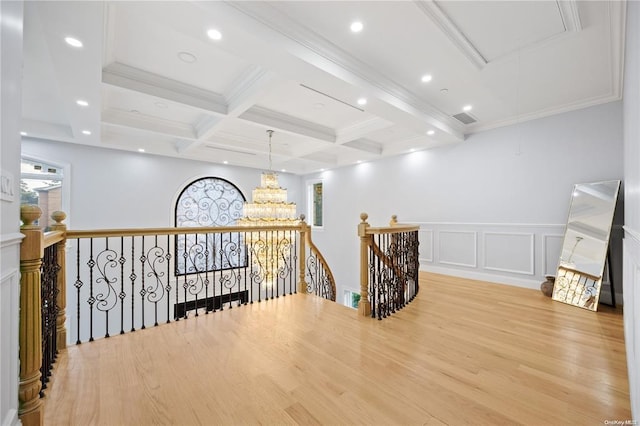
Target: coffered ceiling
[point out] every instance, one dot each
(155, 81)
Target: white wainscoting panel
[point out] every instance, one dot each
(518, 254)
(551, 249)
(631, 295)
(9, 303)
(509, 252)
(425, 237)
(458, 248)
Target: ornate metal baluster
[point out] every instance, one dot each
(78, 285)
(122, 294)
(91, 263)
(133, 277)
(143, 291)
(168, 287)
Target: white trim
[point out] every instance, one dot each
(475, 248)
(65, 204)
(476, 275)
(531, 270)
(452, 32)
(11, 418)
(635, 235)
(309, 195)
(570, 15)
(8, 240)
(518, 225)
(10, 274)
(426, 259)
(544, 250)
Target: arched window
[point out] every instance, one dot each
(209, 201)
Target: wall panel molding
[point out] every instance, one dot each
(546, 253)
(455, 244)
(489, 254)
(494, 253)
(425, 237)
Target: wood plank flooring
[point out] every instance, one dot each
(463, 352)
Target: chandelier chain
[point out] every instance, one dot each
(270, 132)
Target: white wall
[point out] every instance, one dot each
(632, 203)
(492, 207)
(10, 237)
(119, 189)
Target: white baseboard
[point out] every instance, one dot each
(501, 279)
(493, 278)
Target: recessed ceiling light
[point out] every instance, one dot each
(444, 90)
(23, 133)
(225, 162)
(431, 132)
(426, 78)
(322, 170)
(187, 57)
(467, 108)
(356, 26)
(82, 102)
(140, 149)
(86, 132)
(283, 170)
(362, 101)
(412, 150)
(214, 34)
(73, 42)
(160, 104)
(359, 161)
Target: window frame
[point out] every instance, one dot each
(65, 204)
(311, 203)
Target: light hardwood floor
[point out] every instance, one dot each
(463, 352)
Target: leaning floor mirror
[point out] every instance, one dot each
(585, 244)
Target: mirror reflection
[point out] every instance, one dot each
(585, 244)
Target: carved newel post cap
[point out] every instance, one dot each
(364, 217)
(302, 217)
(29, 213)
(394, 219)
(58, 216)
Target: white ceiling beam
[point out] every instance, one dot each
(148, 124)
(361, 129)
(365, 145)
(453, 33)
(287, 123)
(248, 88)
(310, 48)
(137, 80)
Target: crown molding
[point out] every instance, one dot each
(330, 58)
(288, 123)
(570, 13)
(137, 80)
(453, 33)
(573, 106)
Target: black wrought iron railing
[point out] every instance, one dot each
(126, 280)
(129, 279)
(49, 293)
(389, 267)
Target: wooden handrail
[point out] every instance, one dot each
(129, 232)
(52, 237)
(367, 242)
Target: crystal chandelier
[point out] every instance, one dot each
(270, 249)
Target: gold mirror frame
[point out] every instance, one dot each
(585, 244)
